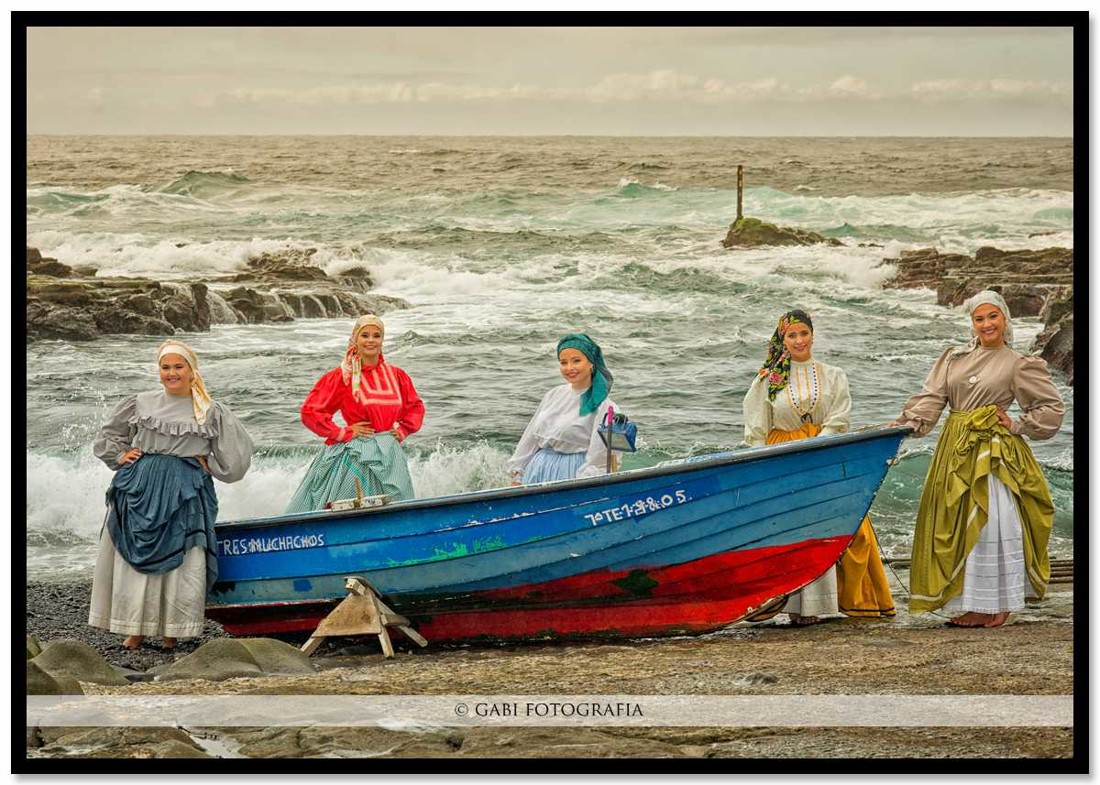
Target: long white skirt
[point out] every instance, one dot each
(994, 579)
(815, 599)
(126, 601)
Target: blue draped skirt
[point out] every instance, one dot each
(546, 465)
(159, 507)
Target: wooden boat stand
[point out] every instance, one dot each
(362, 612)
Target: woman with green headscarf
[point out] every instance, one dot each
(561, 442)
(985, 513)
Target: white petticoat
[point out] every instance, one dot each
(815, 599)
(994, 579)
(129, 602)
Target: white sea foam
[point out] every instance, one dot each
(76, 515)
(134, 255)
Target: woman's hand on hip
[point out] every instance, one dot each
(202, 462)
(1003, 418)
(130, 456)
(362, 428)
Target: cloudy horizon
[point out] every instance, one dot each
(638, 81)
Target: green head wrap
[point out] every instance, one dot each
(601, 377)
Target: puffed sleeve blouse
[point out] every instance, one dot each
(558, 425)
(814, 387)
(391, 400)
(988, 376)
(158, 423)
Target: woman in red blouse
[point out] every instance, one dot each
(379, 407)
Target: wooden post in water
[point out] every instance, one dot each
(740, 188)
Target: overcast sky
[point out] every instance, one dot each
(551, 80)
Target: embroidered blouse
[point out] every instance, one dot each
(816, 393)
(158, 423)
(988, 376)
(557, 425)
(391, 400)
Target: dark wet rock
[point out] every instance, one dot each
(76, 309)
(37, 264)
(1033, 283)
(752, 232)
(72, 304)
(253, 307)
(34, 737)
(1055, 345)
(290, 265)
(51, 267)
(227, 659)
(79, 661)
(1026, 279)
(112, 742)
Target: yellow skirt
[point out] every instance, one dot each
(862, 588)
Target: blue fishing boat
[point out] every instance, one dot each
(678, 548)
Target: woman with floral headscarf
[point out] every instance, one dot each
(156, 559)
(561, 441)
(794, 397)
(985, 514)
(379, 407)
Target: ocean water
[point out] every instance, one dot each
(500, 245)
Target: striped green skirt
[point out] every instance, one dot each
(378, 462)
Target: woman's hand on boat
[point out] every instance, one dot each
(360, 429)
(130, 456)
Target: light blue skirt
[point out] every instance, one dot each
(378, 462)
(547, 465)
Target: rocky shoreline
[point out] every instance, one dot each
(908, 656)
(1033, 283)
(72, 303)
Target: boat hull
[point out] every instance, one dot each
(669, 550)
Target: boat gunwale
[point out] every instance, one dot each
(491, 494)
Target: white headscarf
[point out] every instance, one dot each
(352, 366)
(986, 297)
(200, 399)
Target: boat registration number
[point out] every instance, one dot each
(638, 507)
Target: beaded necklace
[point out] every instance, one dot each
(804, 391)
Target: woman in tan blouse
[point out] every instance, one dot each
(985, 514)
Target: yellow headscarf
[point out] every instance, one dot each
(200, 399)
(352, 366)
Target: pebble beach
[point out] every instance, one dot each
(918, 656)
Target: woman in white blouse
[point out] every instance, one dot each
(156, 560)
(561, 441)
(794, 397)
